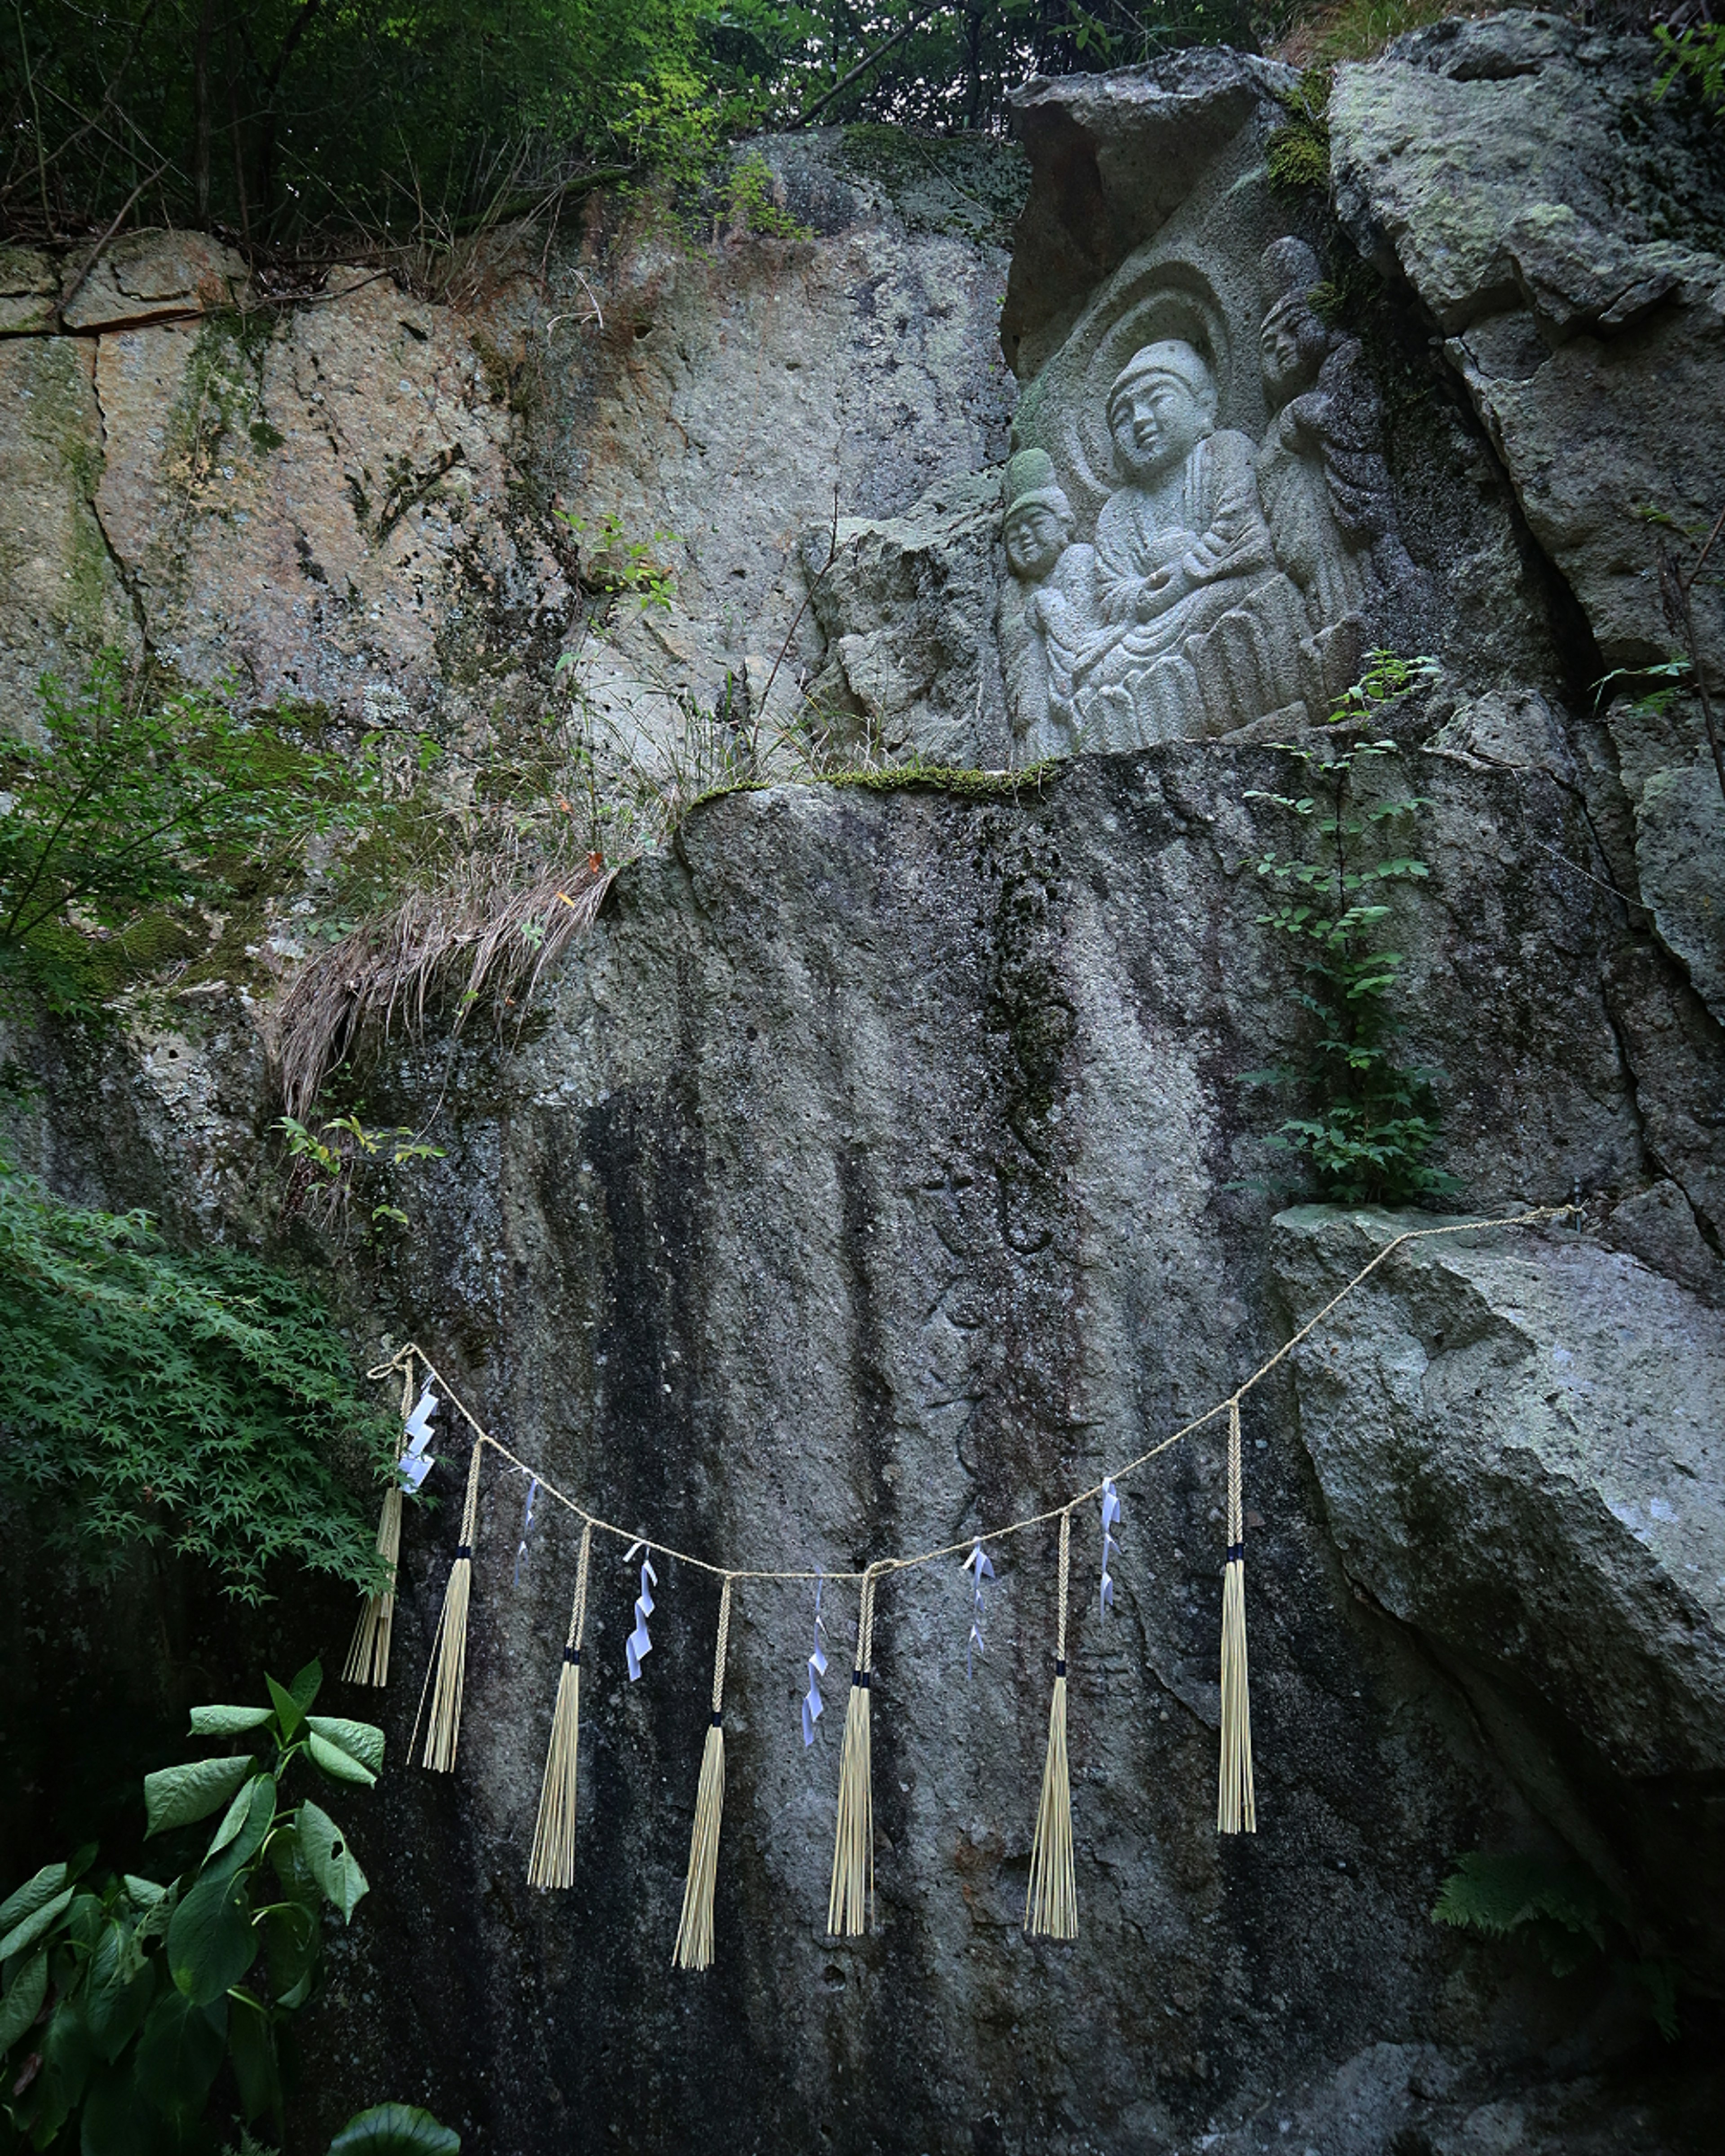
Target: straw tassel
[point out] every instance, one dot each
(1235, 1811)
(445, 1725)
(1051, 1904)
(694, 1933)
(851, 1902)
(552, 1862)
(368, 1656)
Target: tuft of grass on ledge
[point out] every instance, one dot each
(945, 779)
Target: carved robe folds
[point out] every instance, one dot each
(1214, 642)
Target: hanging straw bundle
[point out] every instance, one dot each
(851, 1903)
(552, 1862)
(1236, 1812)
(1051, 1904)
(694, 1933)
(451, 1646)
(368, 1656)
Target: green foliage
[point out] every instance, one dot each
(122, 816)
(1372, 1123)
(395, 2129)
(1558, 1909)
(751, 205)
(124, 1998)
(1697, 53)
(329, 1162)
(195, 1402)
(1298, 153)
(277, 118)
(914, 772)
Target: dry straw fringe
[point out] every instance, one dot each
(1051, 1904)
(451, 1648)
(368, 1657)
(694, 1933)
(851, 1903)
(552, 1862)
(1235, 1811)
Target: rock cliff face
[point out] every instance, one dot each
(877, 1169)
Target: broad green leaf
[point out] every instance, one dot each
(33, 1895)
(337, 1762)
(227, 1721)
(293, 1935)
(23, 1999)
(115, 2120)
(41, 1920)
(145, 1892)
(255, 1808)
(306, 1685)
(251, 2045)
(211, 1942)
(325, 1849)
(395, 2129)
(67, 2050)
(287, 1710)
(118, 1991)
(360, 1740)
(176, 1796)
(180, 2052)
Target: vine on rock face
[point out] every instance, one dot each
(1373, 1122)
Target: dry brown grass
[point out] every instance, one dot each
(493, 926)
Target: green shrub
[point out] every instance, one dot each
(1372, 1122)
(125, 1998)
(203, 1403)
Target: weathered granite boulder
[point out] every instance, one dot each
(1561, 223)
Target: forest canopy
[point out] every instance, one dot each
(272, 120)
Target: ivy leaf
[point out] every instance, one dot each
(338, 1763)
(395, 2129)
(40, 1920)
(360, 1740)
(176, 1796)
(180, 2052)
(22, 2001)
(325, 1849)
(211, 1943)
(31, 1896)
(227, 1721)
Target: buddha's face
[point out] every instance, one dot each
(1290, 349)
(1156, 424)
(1035, 538)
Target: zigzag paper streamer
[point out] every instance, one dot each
(814, 1705)
(984, 1567)
(639, 1642)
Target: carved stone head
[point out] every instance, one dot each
(1161, 406)
(1038, 517)
(1294, 341)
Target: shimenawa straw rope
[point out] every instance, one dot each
(694, 1933)
(368, 1656)
(445, 1725)
(878, 1566)
(552, 1863)
(1051, 1904)
(851, 1903)
(1235, 1811)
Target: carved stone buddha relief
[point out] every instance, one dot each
(1192, 548)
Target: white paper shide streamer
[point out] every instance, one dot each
(981, 1565)
(814, 1705)
(639, 1642)
(1111, 1520)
